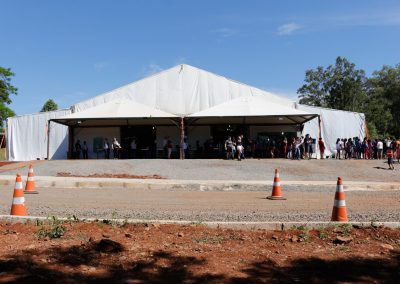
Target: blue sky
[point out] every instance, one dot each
(73, 50)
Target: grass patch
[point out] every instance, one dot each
(52, 229)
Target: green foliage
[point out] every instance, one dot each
(344, 87)
(49, 105)
(6, 90)
(53, 229)
(339, 86)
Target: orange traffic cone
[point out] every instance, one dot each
(276, 188)
(30, 183)
(18, 207)
(339, 212)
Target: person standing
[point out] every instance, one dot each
(116, 147)
(229, 148)
(169, 148)
(133, 148)
(78, 149)
(106, 148)
(389, 154)
(85, 150)
(379, 147)
(321, 146)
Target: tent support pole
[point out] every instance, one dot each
(182, 152)
(48, 139)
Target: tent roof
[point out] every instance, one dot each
(255, 108)
(114, 111)
(181, 90)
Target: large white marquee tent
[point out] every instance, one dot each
(182, 94)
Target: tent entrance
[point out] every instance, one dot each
(145, 137)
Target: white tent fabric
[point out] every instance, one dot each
(27, 136)
(182, 90)
(121, 108)
(334, 124)
(257, 105)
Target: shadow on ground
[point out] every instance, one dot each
(102, 263)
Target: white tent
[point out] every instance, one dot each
(182, 90)
(334, 124)
(203, 98)
(27, 136)
(256, 109)
(117, 112)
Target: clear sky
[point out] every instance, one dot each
(72, 50)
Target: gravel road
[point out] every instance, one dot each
(250, 169)
(306, 204)
(244, 203)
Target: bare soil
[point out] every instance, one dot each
(152, 253)
(108, 175)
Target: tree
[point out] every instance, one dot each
(341, 86)
(6, 90)
(384, 100)
(49, 105)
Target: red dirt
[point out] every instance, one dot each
(6, 163)
(106, 175)
(142, 253)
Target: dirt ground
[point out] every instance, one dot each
(76, 252)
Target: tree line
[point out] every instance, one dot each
(343, 86)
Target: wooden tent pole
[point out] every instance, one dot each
(48, 139)
(182, 152)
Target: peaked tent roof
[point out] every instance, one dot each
(182, 90)
(116, 112)
(256, 109)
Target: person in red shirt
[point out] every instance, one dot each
(389, 154)
(321, 146)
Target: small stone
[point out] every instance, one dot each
(294, 239)
(91, 239)
(31, 246)
(43, 260)
(342, 240)
(180, 234)
(105, 235)
(92, 268)
(147, 229)
(127, 235)
(387, 246)
(155, 225)
(274, 237)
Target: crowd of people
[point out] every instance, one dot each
(238, 147)
(367, 148)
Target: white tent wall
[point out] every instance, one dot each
(334, 124)
(90, 133)
(27, 136)
(182, 90)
